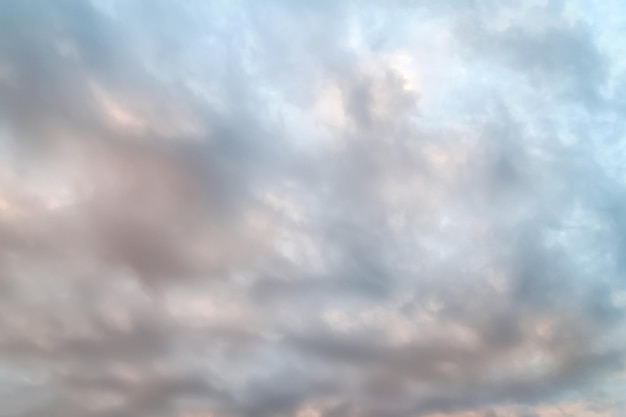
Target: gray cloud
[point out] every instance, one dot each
(310, 209)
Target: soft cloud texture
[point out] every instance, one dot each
(312, 209)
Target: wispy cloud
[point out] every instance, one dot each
(312, 209)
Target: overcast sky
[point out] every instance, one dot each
(312, 208)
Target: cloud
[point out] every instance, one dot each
(310, 209)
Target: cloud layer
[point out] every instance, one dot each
(312, 209)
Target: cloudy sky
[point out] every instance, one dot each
(312, 208)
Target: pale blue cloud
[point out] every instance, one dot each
(294, 208)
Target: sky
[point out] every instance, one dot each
(292, 208)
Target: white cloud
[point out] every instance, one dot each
(317, 209)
